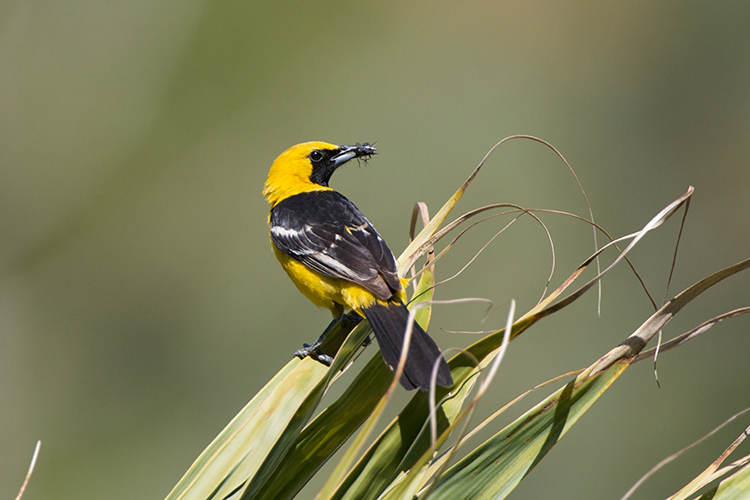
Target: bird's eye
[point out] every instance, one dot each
(316, 156)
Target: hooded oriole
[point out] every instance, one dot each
(338, 260)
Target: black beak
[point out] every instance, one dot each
(347, 153)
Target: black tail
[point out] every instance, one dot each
(389, 324)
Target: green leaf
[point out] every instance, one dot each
(328, 431)
(325, 434)
(256, 439)
(332, 485)
(306, 408)
(387, 457)
(496, 466)
(239, 449)
(494, 469)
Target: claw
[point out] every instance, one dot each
(313, 352)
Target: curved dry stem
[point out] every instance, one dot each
(611, 239)
(467, 216)
(585, 198)
(476, 255)
(433, 375)
(655, 222)
(30, 470)
(420, 208)
(669, 281)
(469, 332)
(516, 208)
(433, 383)
(471, 407)
(567, 164)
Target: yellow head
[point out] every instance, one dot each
(308, 167)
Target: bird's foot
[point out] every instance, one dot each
(314, 352)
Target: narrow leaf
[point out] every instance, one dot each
(254, 435)
(248, 433)
(388, 456)
(325, 434)
(494, 468)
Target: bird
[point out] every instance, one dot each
(337, 259)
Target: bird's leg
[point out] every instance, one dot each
(314, 350)
(345, 320)
(352, 319)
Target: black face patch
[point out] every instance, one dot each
(323, 166)
(326, 161)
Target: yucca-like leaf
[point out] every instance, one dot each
(239, 449)
(252, 444)
(323, 436)
(405, 440)
(238, 463)
(496, 467)
(223, 471)
(272, 447)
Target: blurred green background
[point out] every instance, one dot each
(141, 306)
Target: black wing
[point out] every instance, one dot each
(327, 232)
